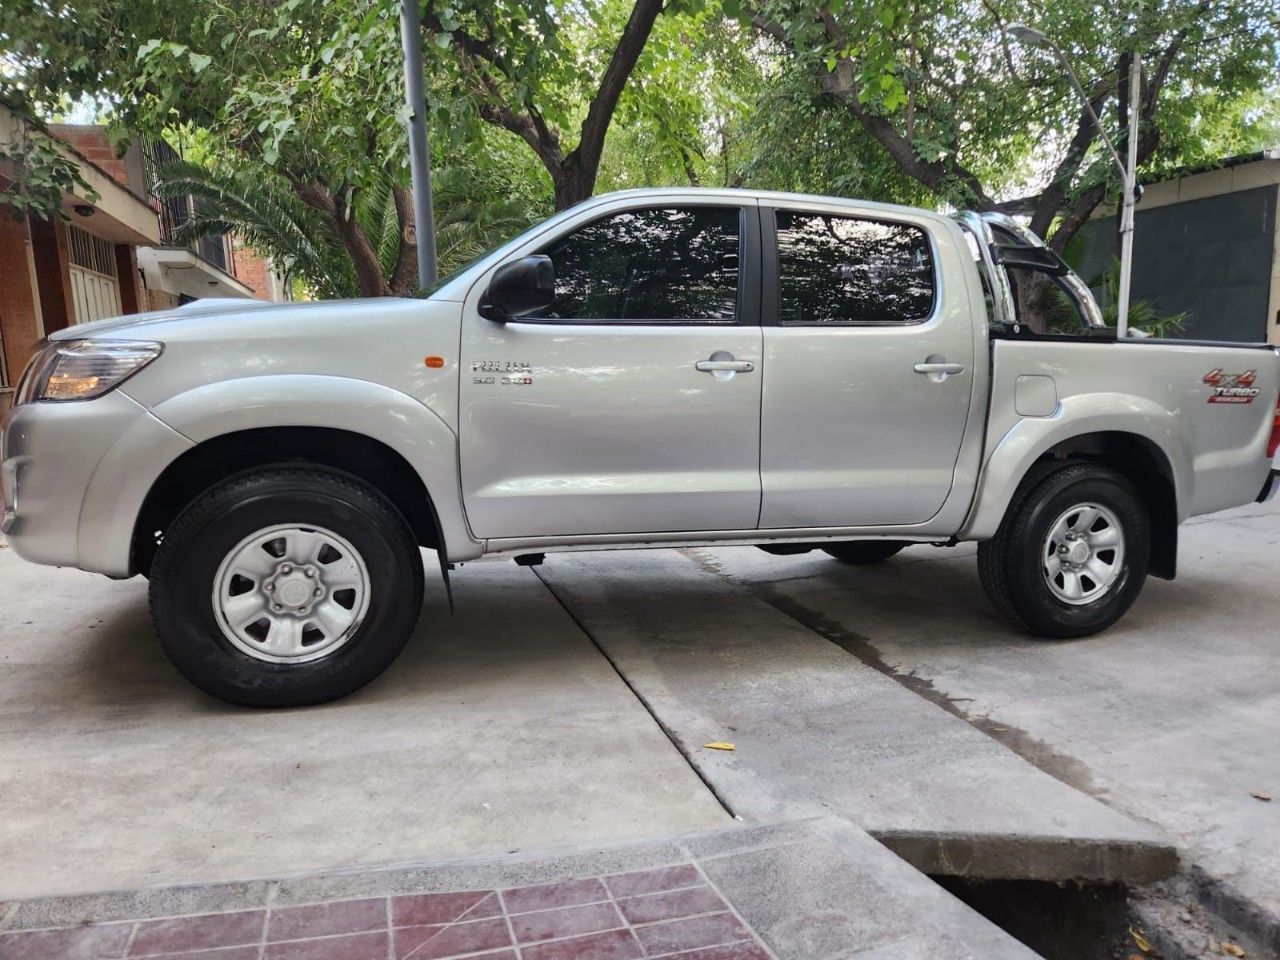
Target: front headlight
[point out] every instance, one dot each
(84, 369)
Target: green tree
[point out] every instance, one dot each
(968, 116)
(539, 70)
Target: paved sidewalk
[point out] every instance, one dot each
(500, 728)
(810, 890)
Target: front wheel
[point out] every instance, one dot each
(285, 587)
(1071, 555)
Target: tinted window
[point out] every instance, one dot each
(667, 264)
(844, 270)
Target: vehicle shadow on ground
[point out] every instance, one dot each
(118, 671)
(114, 668)
(923, 600)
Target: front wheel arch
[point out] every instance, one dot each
(218, 459)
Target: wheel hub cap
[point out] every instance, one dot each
(1083, 554)
(291, 593)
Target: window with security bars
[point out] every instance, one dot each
(92, 253)
(95, 286)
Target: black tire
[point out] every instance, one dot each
(863, 553)
(1012, 568)
(194, 545)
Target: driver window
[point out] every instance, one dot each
(669, 264)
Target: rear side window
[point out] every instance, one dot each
(834, 270)
(671, 264)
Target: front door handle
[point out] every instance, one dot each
(723, 366)
(937, 368)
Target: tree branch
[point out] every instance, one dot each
(586, 155)
(937, 175)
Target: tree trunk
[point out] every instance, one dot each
(404, 279)
(363, 257)
(572, 184)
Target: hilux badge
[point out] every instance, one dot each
(1231, 387)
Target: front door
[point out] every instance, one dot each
(868, 370)
(632, 404)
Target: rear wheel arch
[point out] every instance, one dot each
(1142, 462)
(219, 458)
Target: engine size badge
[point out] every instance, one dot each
(506, 373)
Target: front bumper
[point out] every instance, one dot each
(1270, 488)
(49, 455)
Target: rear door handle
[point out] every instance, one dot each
(937, 368)
(733, 366)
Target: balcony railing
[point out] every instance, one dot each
(176, 212)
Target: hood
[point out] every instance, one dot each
(145, 326)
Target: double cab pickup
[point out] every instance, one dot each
(649, 368)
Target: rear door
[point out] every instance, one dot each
(632, 404)
(868, 368)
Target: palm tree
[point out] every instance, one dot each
(267, 216)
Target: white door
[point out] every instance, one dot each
(593, 417)
(868, 372)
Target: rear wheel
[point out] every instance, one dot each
(864, 552)
(1071, 555)
(286, 587)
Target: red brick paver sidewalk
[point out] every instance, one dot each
(671, 912)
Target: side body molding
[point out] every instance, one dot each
(405, 425)
(1011, 455)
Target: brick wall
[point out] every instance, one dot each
(252, 270)
(93, 144)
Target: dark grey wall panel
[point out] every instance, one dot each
(1211, 257)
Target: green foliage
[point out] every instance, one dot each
(976, 118)
(1143, 315)
(296, 107)
(476, 209)
(267, 216)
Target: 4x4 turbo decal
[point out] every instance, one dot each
(1231, 387)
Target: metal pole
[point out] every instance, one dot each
(419, 151)
(1130, 199)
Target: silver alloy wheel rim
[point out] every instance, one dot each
(291, 593)
(1083, 554)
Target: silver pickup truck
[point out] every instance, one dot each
(650, 368)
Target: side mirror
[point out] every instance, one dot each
(519, 288)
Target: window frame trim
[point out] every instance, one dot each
(747, 308)
(771, 286)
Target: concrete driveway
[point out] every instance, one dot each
(506, 728)
(499, 729)
(1172, 716)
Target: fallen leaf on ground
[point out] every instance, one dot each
(1232, 950)
(1259, 795)
(1143, 943)
(719, 745)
